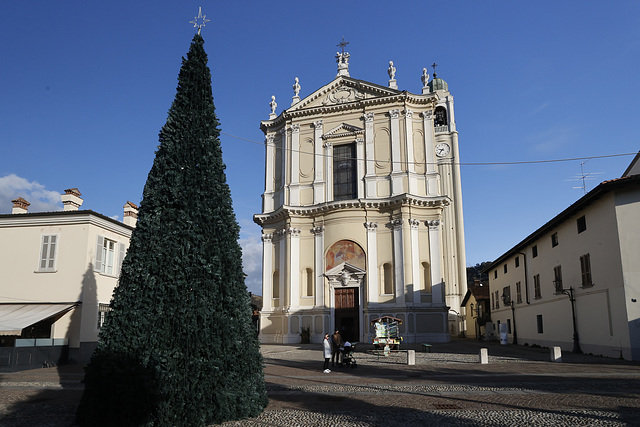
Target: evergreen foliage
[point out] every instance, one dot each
(178, 347)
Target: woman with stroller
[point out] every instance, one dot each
(326, 349)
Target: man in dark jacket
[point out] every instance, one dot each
(336, 343)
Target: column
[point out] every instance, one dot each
(415, 259)
(373, 286)
(282, 268)
(283, 169)
(267, 272)
(429, 150)
(270, 148)
(370, 175)
(411, 167)
(398, 261)
(318, 167)
(328, 156)
(294, 266)
(318, 240)
(435, 260)
(396, 171)
(294, 189)
(360, 167)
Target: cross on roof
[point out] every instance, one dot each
(434, 65)
(200, 20)
(342, 44)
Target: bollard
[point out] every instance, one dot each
(411, 357)
(556, 354)
(484, 356)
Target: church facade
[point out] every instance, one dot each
(362, 212)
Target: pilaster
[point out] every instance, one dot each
(328, 156)
(411, 167)
(294, 264)
(318, 240)
(435, 261)
(415, 260)
(270, 148)
(282, 272)
(396, 171)
(370, 183)
(373, 287)
(294, 188)
(360, 166)
(398, 260)
(267, 272)
(318, 181)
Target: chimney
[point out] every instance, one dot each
(20, 206)
(130, 214)
(71, 199)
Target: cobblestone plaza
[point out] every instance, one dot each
(447, 387)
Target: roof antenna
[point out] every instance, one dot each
(584, 177)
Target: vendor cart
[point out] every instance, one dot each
(387, 333)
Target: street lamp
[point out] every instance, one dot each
(570, 293)
(507, 300)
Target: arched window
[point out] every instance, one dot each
(275, 285)
(387, 279)
(307, 282)
(440, 117)
(425, 277)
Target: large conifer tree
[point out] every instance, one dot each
(178, 348)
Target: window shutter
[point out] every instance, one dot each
(99, 261)
(120, 257)
(43, 252)
(52, 251)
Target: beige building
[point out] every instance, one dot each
(59, 270)
(362, 212)
(581, 268)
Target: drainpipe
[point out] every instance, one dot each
(526, 275)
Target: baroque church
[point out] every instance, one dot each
(362, 212)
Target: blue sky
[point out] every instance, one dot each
(86, 86)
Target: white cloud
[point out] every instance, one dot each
(554, 139)
(251, 242)
(42, 200)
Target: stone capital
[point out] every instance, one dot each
(371, 226)
(267, 238)
(318, 124)
(368, 117)
(394, 114)
(414, 223)
(317, 230)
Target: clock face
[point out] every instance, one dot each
(442, 149)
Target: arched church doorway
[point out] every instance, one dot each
(345, 263)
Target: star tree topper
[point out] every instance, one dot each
(200, 20)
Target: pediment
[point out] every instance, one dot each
(343, 129)
(345, 275)
(345, 266)
(343, 90)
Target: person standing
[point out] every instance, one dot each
(326, 350)
(336, 343)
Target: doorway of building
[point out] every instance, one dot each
(347, 313)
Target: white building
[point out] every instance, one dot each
(585, 259)
(362, 212)
(59, 270)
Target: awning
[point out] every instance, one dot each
(14, 317)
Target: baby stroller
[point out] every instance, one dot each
(347, 355)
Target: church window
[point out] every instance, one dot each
(344, 172)
(387, 279)
(440, 117)
(426, 277)
(275, 292)
(307, 282)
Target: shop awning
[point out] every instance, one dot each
(14, 317)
